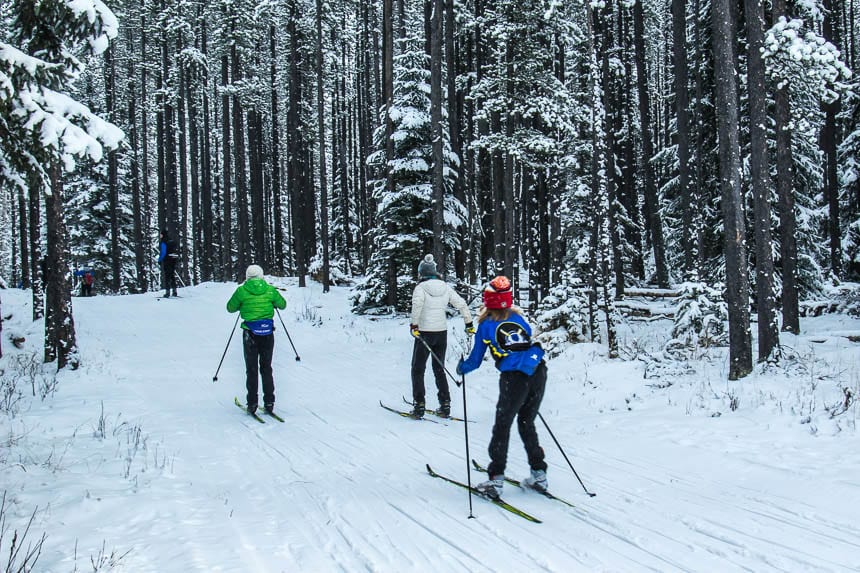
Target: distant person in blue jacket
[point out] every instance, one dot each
(167, 258)
(503, 330)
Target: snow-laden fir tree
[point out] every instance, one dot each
(403, 233)
(44, 129)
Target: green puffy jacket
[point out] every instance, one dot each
(255, 299)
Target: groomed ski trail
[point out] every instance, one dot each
(342, 485)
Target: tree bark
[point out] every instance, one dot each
(437, 136)
(320, 69)
(652, 206)
(828, 148)
(60, 341)
(679, 57)
(737, 279)
(785, 192)
(762, 186)
(276, 158)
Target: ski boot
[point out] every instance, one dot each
(492, 488)
(444, 410)
(536, 481)
(418, 410)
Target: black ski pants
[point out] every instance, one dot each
(438, 342)
(520, 395)
(259, 350)
(170, 275)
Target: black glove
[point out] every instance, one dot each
(470, 329)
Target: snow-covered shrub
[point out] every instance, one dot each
(336, 274)
(700, 320)
(561, 317)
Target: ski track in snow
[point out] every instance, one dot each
(341, 486)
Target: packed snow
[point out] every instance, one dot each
(139, 462)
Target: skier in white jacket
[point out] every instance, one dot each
(428, 321)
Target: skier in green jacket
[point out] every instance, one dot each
(256, 300)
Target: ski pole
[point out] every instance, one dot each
(215, 378)
(565, 455)
(437, 359)
(466, 429)
(290, 338)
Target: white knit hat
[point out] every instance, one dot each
(254, 271)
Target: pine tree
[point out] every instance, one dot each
(404, 232)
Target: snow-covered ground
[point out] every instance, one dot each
(140, 459)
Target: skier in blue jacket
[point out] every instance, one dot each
(522, 381)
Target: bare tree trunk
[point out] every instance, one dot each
(785, 192)
(388, 96)
(828, 148)
(320, 69)
(113, 185)
(438, 171)
(243, 237)
(295, 159)
(652, 207)
(206, 207)
(142, 247)
(682, 122)
(22, 238)
(136, 203)
(227, 268)
(762, 186)
(38, 263)
(60, 342)
(276, 159)
(737, 280)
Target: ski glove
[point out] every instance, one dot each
(413, 329)
(459, 366)
(470, 329)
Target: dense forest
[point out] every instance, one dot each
(583, 149)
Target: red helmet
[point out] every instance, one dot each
(498, 293)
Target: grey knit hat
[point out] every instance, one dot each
(427, 267)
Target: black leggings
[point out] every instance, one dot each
(259, 349)
(438, 341)
(520, 395)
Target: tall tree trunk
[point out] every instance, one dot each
(170, 184)
(437, 136)
(113, 184)
(652, 206)
(785, 192)
(136, 203)
(191, 91)
(737, 279)
(208, 252)
(181, 122)
(243, 237)
(320, 69)
(388, 96)
(762, 186)
(828, 148)
(22, 238)
(227, 265)
(295, 175)
(35, 187)
(142, 246)
(679, 58)
(276, 159)
(60, 342)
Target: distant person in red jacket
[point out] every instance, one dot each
(87, 284)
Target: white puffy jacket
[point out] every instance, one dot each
(430, 300)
